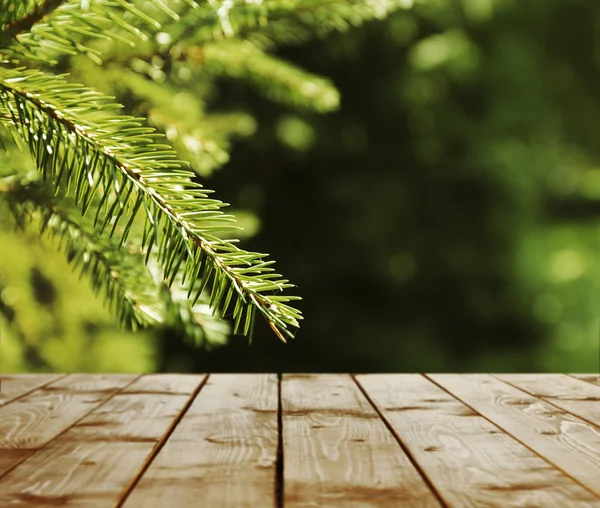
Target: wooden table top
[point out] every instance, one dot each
(298, 440)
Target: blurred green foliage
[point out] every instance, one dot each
(443, 218)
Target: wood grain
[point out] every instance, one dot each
(590, 378)
(222, 454)
(93, 463)
(469, 461)
(568, 442)
(573, 395)
(165, 384)
(460, 441)
(31, 422)
(13, 386)
(338, 453)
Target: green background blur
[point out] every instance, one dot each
(445, 218)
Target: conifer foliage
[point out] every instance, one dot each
(122, 194)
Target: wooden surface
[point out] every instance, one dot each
(298, 440)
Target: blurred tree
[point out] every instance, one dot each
(430, 211)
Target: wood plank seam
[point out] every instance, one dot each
(279, 481)
(161, 442)
(403, 446)
(223, 451)
(43, 385)
(95, 460)
(19, 462)
(510, 434)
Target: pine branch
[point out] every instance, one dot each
(119, 275)
(135, 293)
(271, 76)
(25, 23)
(69, 25)
(278, 80)
(119, 155)
(188, 128)
(196, 321)
(273, 21)
(202, 139)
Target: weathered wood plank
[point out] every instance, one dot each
(165, 384)
(590, 378)
(338, 453)
(93, 463)
(29, 423)
(568, 442)
(469, 460)
(13, 386)
(223, 451)
(573, 395)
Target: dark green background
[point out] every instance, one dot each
(446, 217)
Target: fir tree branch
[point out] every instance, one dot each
(10, 30)
(126, 284)
(273, 21)
(196, 321)
(72, 23)
(273, 77)
(135, 293)
(276, 78)
(200, 138)
(118, 154)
